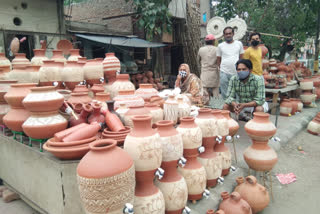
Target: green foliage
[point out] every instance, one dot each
(293, 18)
(153, 16)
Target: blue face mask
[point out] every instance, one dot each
(243, 74)
(229, 39)
(183, 74)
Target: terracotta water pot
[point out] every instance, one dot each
(134, 111)
(82, 117)
(209, 159)
(80, 89)
(102, 96)
(171, 109)
(15, 118)
(96, 88)
(17, 93)
(286, 108)
(96, 115)
(39, 56)
(72, 74)
(20, 59)
(146, 91)
(233, 203)
(93, 71)
(307, 97)
(24, 74)
(252, 192)
(57, 56)
(314, 126)
(193, 172)
(50, 72)
(156, 112)
(184, 108)
(259, 156)
(298, 103)
(157, 100)
(144, 146)
(79, 98)
(111, 64)
(306, 84)
(128, 98)
(99, 184)
(4, 107)
(5, 61)
(122, 83)
(74, 55)
(232, 124)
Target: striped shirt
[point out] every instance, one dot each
(252, 90)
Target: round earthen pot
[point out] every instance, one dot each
(156, 112)
(79, 98)
(128, 98)
(15, 118)
(68, 152)
(286, 108)
(314, 126)
(108, 181)
(57, 56)
(93, 71)
(252, 192)
(80, 89)
(50, 72)
(111, 65)
(157, 100)
(17, 93)
(307, 97)
(232, 124)
(306, 84)
(74, 55)
(72, 74)
(171, 109)
(20, 59)
(146, 91)
(39, 57)
(233, 203)
(4, 61)
(294, 106)
(97, 88)
(134, 111)
(298, 103)
(122, 83)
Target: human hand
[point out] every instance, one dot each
(179, 77)
(239, 108)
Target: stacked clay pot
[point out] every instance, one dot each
(134, 111)
(122, 83)
(111, 65)
(50, 72)
(146, 91)
(156, 112)
(45, 120)
(24, 73)
(128, 98)
(96, 88)
(144, 146)
(184, 108)
(220, 148)
(193, 172)
(17, 114)
(20, 59)
(4, 71)
(4, 61)
(74, 55)
(286, 108)
(105, 188)
(119, 136)
(171, 109)
(172, 185)
(307, 97)
(39, 56)
(57, 56)
(4, 107)
(233, 203)
(209, 159)
(81, 97)
(72, 74)
(80, 89)
(93, 71)
(252, 192)
(232, 124)
(259, 156)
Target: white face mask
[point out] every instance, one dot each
(183, 73)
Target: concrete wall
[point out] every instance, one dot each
(204, 8)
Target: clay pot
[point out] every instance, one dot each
(119, 136)
(112, 120)
(294, 105)
(4, 71)
(93, 71)
(96, 88)
(39, 56)
(20, 59)
(307, 97)
(72, 74)
(122, 110)
(60, 135)
(134, 111)
(83, 133)
(74, 55)
(144, 146)
(65, 93)
(233, 203)
(128, 98)
(50, 72)
(252, 192)
(4, 107)
(93, 174)
(156, 112)
(286, 108)
(5, 61)
(96, 116)
(111, 64)
(102, 97)
(79, 98)
(157, 100)
(193, 172)
(171, 109)
(15, 118)
(122, 83)
(298, 103)
(68, 152)
(146, 91)
(83, 116)
(306, 84)
(259, 156)
(183, 108)
(17, 93)
(232, 124)
(80, 89)
(57, 56)
(314, 126)
(24, 74)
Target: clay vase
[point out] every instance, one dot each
(193, 172)
(294, 106)
(307, 97)
(4, 107)
(74, 55)
(232, 124)
(128, 98)
(112, 120)
(144, 146)
(57, 56)
(72, 74)
(172, 185)
(220, 148)
(20, 59)
(156, 112)
(96, 115)
(252, 192)
(233, 203)
(122, 83)
(82, 117)
(306, 84)
(24, 74)
(259, 156)
(134, 111)
(286, 108)
(79, 98)
(314, 126)
(17, 114)
(183, 108)
(96, 88)
(50, 72)
(99, 183)
(111, 65)
(4, 60)
(171, 109)
(209, 159)
(93, 71)
(102, 97)
(4, 71)
(39, 56)
(146, 91)
(122, 110)
(157, 100)
(80, 89)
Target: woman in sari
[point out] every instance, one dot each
(191, 86)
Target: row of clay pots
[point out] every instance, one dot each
(290, 107)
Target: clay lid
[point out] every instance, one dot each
(44, 88)
(144, 85)
(65, 46)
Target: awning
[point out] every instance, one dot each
(122, 41)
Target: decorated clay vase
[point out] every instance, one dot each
(39, 56)
(24, 73)
(307, 97)
(79, 98)
(74, 55)
(233, 203)
(93, 71)
(72, 74)
(111, 65)
(144, 146)
(20, 59)
(50, 73)
(285, 108)
(259, 156)
(128, 98)
(171, 109)
(232, 124)
(134, 111)
(105, 188)
(4, 107)
(146, 91)
(57, 56)
(193, 172)
(252, 192)
(172, 185)
(183, 108)
(156, 112)
(122, 83)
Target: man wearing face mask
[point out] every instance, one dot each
(228, 53)
(254, 54)
(246, 91)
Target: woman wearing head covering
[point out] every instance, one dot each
(191, 85)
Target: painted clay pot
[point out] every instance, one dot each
(171, 109)
(17, 93)
(156, 112)
(306, 84)
(157, 100)
(286, 108)
(252, 192)
(39, 56)
(146, 91)
(220, 148)
(111, 65)
(80, 89)
(24, 74)
(134, 111)
(96, 88)
(183, 108)
(4, 107)
(74, 55)
(20, 59)
(57, 56)
(72, 74)
(233, 203)
(50, 72)
(232, 124)
(93, 71)
(144, 146)
(314, 126)
(122, 83)
(79, 98)
(106, 181)
(96, 115)
(128, 98)
(259, 156)
(193, 172)
(209, 159)
(4, 60)
(307, 97)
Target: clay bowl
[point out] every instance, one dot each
(52, 142)
(68, 152)
(109, 132)
(119, 139)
